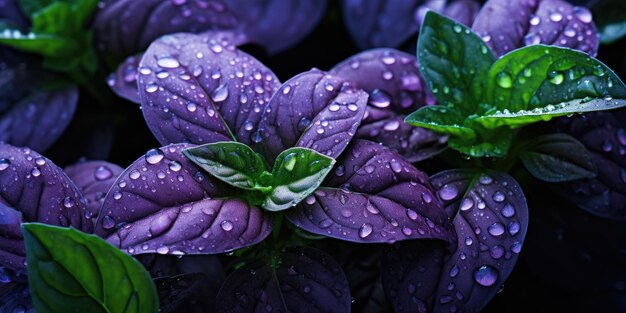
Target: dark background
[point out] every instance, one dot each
(571, 261)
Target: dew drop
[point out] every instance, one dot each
(220, 93)
(469, 241)
(454, 271)
(532, 39)
(4, 164)
(391, 125)
(365, 230)
(411, 214)
(556, 17)
(333, 107)
(498, 196)
(514, 228)
(174, 166)
(504, 80)
(108, 222)
(486, 275)
(162, 250)
(35, 172)
(117, 195)
(496, 229)
(448, 192)
(226, 225)
(154, 156)
(379, 99)
(508, 210)
(535, 20)
(101, 173)
(555, 77)
(466, 204)
(68, 202)
(583, 14)
(168, 62)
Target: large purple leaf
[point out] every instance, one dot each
(33, 189)
(163, 203)
(507, 25)
(314, 110)
(124, 80)
(300, 279)
(124, 27)
(604, 135)
(200, 89)
(490, 219)
(373, 195)
(396, 88)
(28, 116)
(93, 179)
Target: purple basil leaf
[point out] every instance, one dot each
(507, 25)
(34, 190)
(126, 27)
(163, 203)
(490, 219)
(93, 179)
(373, 195)
(123, 81)
(17, 300)
(301, 279)
(604, 135)
(312, 110)
(10, 10)
(191, 92)
(396, 88)
(385, 24)
(37, 121)
(462, 11)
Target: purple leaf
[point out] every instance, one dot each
(396, 88)
(462, 11)
(373, 195)
(507, 25)
(312, 110)
(201, 89)
(126, 27)
(383, 23)
(93, 179)
(300, 279)
(10, 10)
(123, 81)
(604, 135)
(490, 219)
(34, 190)
(17, 300)
(163, 203)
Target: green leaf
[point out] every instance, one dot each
(442, 120)
(43, 44)
(491, 143)
(232, 162)
(297, 173)
(29, 7)
(453, 61)
(558, 158)
(70, 271)
(539, 76)
(81, 9)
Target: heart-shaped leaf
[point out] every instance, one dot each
(453, 60)
(164, 203)
(230, 162)
(300, 279)
(558, 158)
(93, 179)
(297, 173)
(373, 195)
(507, 25)
(72, 271)
(490, 219)
(191, 92)
(312, 110)
(34, 190)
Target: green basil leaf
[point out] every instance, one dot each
(558, 158)
(70, 271)
(297, 173)
(490, 143)
(232, 162)
(539, 82)
(81, 10)
(43, 44)
(441, 119)
(453, 61)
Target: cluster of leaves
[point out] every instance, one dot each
(327, 151)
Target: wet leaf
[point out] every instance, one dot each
(373, 195)
(190, 91)
(300, 279)
(69, 270)
(164, 203)
(93, 179)
(34, 190)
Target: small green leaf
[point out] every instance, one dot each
(70, 271)
(232, 162)
(297, 173)
(453, 61)
(492, 143)
(43, 44)
(441, 119)
(558, 158)
(538, 77)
